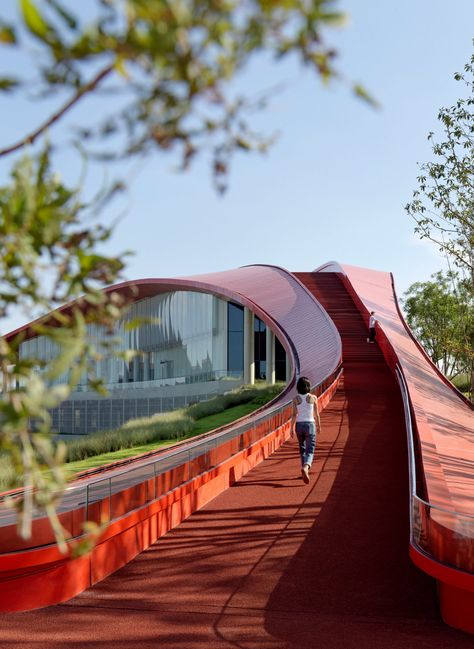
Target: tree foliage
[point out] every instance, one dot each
(163, 71)
(49, 256)
(440, 313)
(443, 204)
(167, 64)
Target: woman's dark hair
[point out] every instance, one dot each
(303, 386)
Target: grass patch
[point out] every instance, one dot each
(72, 468)
(167, 426)
(135, 433)
(161, 430)
(203, 425)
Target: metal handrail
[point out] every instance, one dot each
(457, 532)
(86, 493)
(408, 424)
(201, 445)
(235, 428)
(411, 449)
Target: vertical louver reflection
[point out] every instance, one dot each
(183, 339)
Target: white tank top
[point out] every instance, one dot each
(304, 410)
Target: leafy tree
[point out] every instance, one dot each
(167, 64)
(164, 68)
(443, 204)
(440, 313)
(48, 256)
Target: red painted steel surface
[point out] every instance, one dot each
(445, 431)
(311, 341)
(371, 291)
(445, 422)
(36, 578)
(272, 563)
(314, 339)
(138, 520)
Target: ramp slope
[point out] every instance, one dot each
(273, 563)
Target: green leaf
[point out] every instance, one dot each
(139, 321)
(71, 348)
(55, 395)
(7, 84)
(334, 18)
(7, 35)
(33, 19)
(98, 386)
(127, 354)
(121, 68)
(362, 93)
(243, 144)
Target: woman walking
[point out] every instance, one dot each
(306, 416)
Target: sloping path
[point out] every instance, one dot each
(273, 563)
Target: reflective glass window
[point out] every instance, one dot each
(235, 317)
(260, 348)
(184, 340)
(235, 337)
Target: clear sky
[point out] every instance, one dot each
(333, 186)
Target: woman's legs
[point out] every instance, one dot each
(310, 445)
(306, 434)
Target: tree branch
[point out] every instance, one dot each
(29, 139)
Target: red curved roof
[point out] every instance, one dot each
(277, 296)
(274, 295)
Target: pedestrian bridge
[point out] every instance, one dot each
(238, 546)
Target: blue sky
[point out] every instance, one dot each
(333, 186)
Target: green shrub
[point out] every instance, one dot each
(162, 426)
(206, 408)
(269, 393)
(166, 426)
(136, 432)
(258, 394)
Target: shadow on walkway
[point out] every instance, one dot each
(273, 563)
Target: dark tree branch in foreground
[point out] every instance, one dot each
(55, 117)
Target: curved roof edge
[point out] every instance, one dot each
(329, 267)
(272, 293)
(308, 292)
(277, 292)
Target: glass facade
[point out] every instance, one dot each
(183, 340)
(190, 345)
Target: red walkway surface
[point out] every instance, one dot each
(273, 563)
(445, 422)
